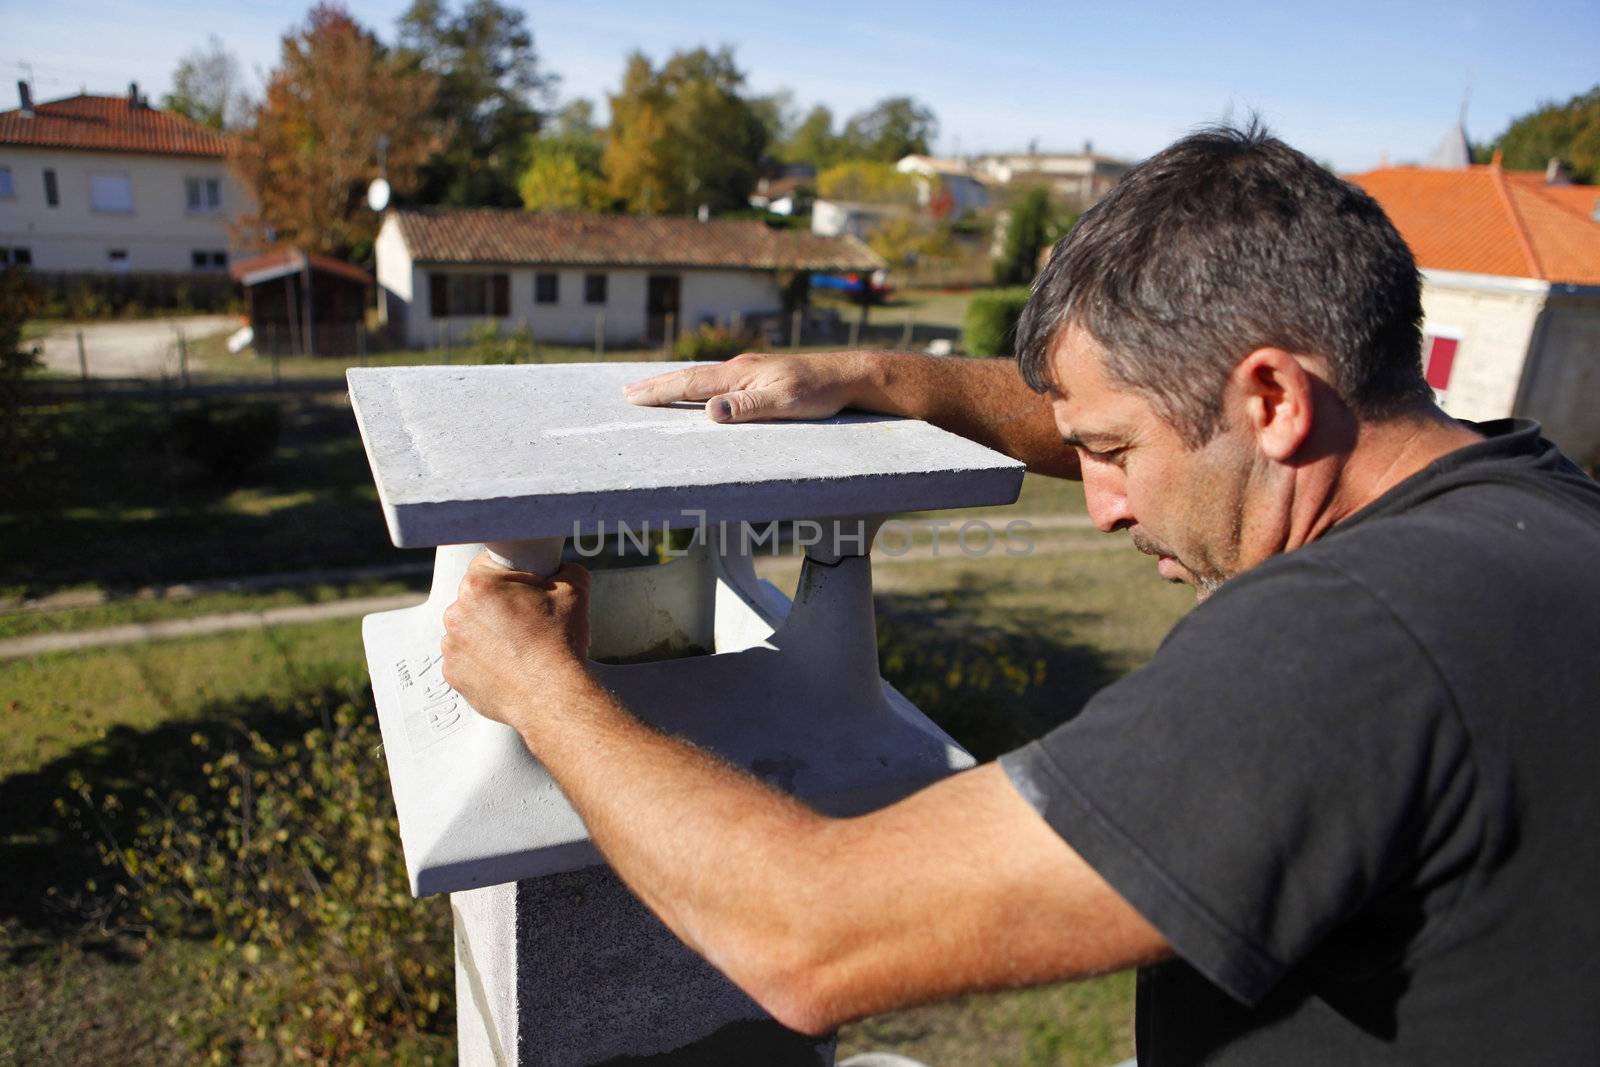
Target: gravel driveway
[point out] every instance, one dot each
(141, 348)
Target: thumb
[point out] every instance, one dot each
(744, 405)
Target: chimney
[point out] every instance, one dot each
(25, 94)
(1555, 173)
(133, 95)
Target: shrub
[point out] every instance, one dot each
(288, 859)
(228, 438)
(991, 324)
(713, 343)
(1029, 230)
(486, 344)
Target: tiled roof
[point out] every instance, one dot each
(490, 235)
(281, 261)
(1485, 220)
(109, 124)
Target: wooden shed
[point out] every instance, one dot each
(304, 303)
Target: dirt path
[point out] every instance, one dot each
(947, 549)
(133, 349)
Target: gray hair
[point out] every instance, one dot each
(1225, 242)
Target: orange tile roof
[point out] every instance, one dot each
(1485, 220)
(109, 124)
(495, 235)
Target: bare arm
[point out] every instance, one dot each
(984, 400)
(957, 888)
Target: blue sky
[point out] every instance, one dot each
(1346, 82)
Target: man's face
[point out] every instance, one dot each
(1185, 506)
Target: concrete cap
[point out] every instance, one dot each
(465, 454)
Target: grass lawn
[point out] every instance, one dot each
(995, 649)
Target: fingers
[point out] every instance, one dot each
(746, 405)
(692, 383)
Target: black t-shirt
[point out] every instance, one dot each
(1358, 789)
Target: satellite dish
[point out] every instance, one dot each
(378, 194)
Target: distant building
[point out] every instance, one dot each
(567, 275)
(109, 184)
(835, 218)
(946, 187)
(1511, 296)
(1081, 178)
(303, 303)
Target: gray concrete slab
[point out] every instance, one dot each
(467, 454)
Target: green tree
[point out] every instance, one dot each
(683, 135)
(813, 140)
(563, 172)
(311, 150)
(894, 127)
(1028, 231)
(559, 178)
(489, 84)
(206, 87)
(1569, 132)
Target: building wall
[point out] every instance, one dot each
(1563, 387)
(1494, 322)
(396, 277)
(703, 294)
(159, 234)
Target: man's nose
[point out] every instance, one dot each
(1108, 503)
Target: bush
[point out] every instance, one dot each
(486, 344)
(713, 343)
(228, 438)
(991, 324)
(288, 859)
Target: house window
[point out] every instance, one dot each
(16, 257)
(463, 295)
(111, 192)
(7, 190)
(546, 288)
(594, 288)
(117, 260)
(1439, 359)
(205, 259)
(203, 194)
(52, 195)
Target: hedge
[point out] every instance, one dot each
(991, 324)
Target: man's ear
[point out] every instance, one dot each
(1276, 394)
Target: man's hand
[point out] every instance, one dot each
(751, 387)
(510, 634)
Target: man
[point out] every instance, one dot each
(1345, 815)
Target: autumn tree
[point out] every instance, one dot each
(894, 127)
(207, 87)
(491, 88)
(683, 135)
(868, 182)
(313, 148)
(1569, 132)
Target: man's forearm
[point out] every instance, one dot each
(983, 400)
(715, 853)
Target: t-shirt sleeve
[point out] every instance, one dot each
(1276, 766)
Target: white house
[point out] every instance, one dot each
(947, 185)
(1511, 292)
(111, 184)
(566, 276)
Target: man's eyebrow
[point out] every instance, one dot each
(1090, 438)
